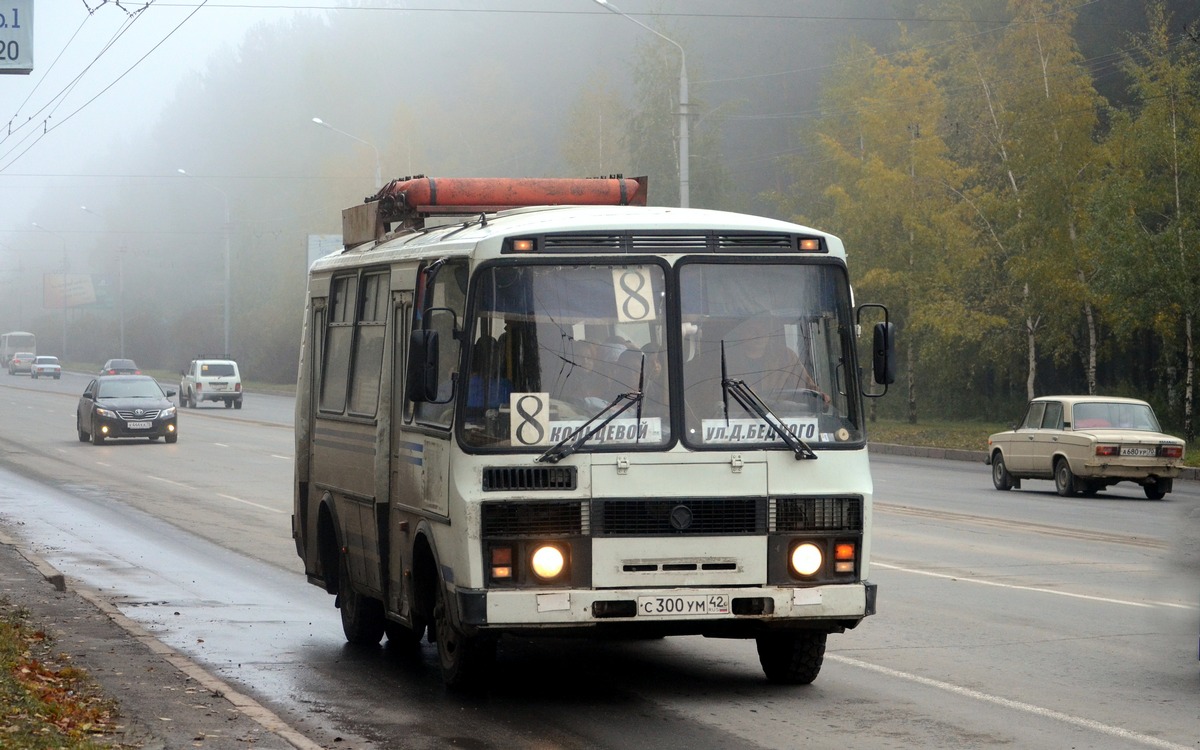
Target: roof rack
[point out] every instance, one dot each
(409, 201)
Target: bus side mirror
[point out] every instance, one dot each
(883, 350)
(422, 381)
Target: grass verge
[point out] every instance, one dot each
(45, 702)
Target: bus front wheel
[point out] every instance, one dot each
(792, 658)
(465, 660)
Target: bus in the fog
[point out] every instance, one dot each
(541, 407)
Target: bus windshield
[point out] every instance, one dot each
(553, 345)
(782, 331)
(764, 347)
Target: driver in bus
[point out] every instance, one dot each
(768, 365)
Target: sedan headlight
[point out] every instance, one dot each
(101, 412)
(167, 412)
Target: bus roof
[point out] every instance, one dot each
(483, 235)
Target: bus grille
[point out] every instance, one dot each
(818, 514)
(514, 519)
(680, 517)
(522, 478)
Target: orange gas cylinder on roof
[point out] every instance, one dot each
(459, 194)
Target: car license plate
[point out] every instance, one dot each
(138, 425)
(690, 605)
(218, 386)
(1137, 450)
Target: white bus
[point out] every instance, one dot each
(16, 341)
(596, 419)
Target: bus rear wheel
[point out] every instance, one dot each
(465, 660)
(362, 616)
(792, 658)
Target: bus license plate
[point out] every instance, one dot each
(1133, 450)
(138, 425)
(691, 605)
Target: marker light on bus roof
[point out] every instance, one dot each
(522, 246)
(810, 245)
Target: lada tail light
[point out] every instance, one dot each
(1171, 451)
(1108, 450)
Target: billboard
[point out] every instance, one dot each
(77, 290)
(16, 36)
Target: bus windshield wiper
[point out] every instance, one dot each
(753, 403)
(578, 437)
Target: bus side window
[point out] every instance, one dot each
(368, 346)
(448, 291)
(339, 340)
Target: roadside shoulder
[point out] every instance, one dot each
(165, 700)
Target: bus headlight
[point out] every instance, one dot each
(548, 562)
(806, 559)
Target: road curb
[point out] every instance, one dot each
(248, 706)
(957, 454)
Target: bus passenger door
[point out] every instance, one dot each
(405, 473)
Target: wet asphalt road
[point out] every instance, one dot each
(1017, 620)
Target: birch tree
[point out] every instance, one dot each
(1150, 207)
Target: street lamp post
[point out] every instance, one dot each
(63, 288)
(378, 164)
(683, 102)
(225, 196)
(120, 283)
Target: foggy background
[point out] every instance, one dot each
(121, 99)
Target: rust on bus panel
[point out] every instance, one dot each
(457, 194)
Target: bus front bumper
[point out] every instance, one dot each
(729, 611)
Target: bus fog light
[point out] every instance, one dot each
(548, 562)
(806, 559)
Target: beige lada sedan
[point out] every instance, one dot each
(1086, 443)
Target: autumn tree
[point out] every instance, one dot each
(1148, 211)
(890, 190)
(1025, 112)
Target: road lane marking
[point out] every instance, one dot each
(285, 458)
(1017, 587)
(170, 481)
(1045, 713)
(221, 445)
(247, 502)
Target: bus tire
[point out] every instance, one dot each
(362, 616)
(465, 660)
(402, 636)
(792, 658)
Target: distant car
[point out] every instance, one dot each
(120, 367)
(44, 366)
(1085, 444)
(20, 362)
(211, 379)
(126, 406)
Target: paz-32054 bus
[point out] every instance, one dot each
(541, 407)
